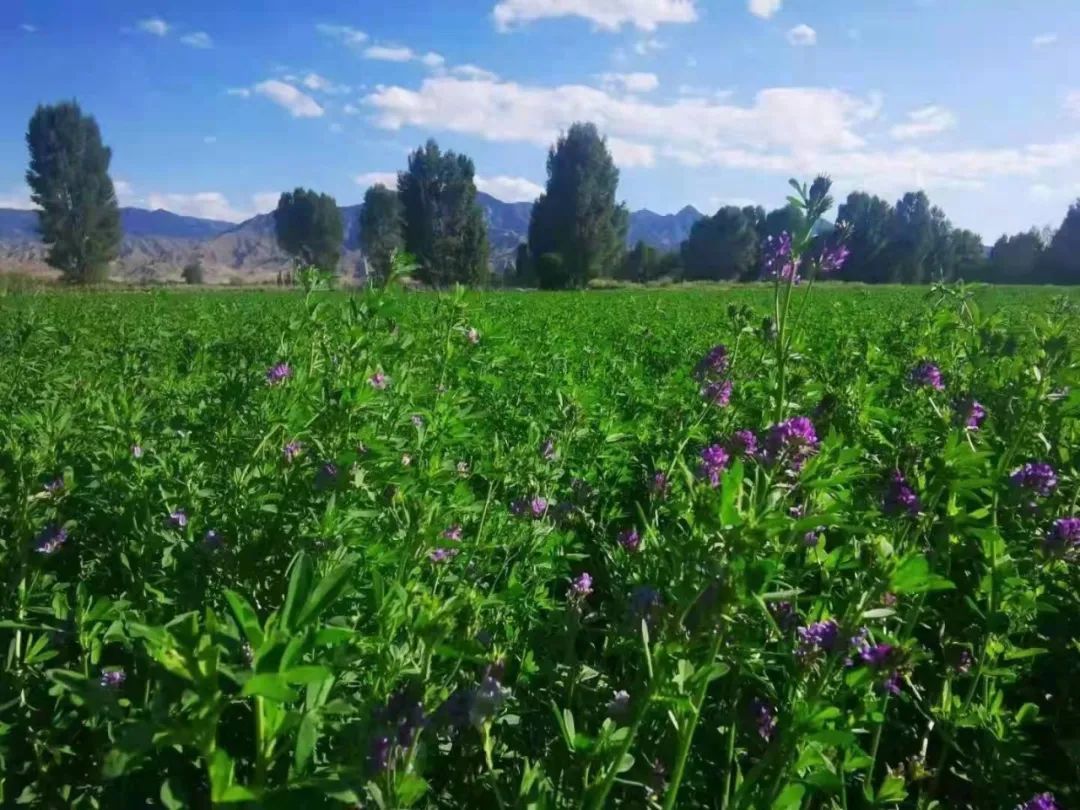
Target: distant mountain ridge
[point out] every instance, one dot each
(157, 244)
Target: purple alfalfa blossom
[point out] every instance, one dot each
(963, 663)
(1041, 801)
(1036, 476)
(764, 718)
(791, 441)
(50, 540)
(453, 533)
(54, 487)
(973, 414)
(818, 637)
(580, 587)
(547, 450)
(178, 519)
(928, 375)
(659, 485)
(212, 540)
(714, 364)
(717, 393)
(812, 537)
(442, 555)
(832, 258)
(379, 753)
(538, 506)
(714, 460)
(327, 475)
(900, 498)
(112, 678)
(889, 599)
(1063, 536)
(136, 451)
(378, 381)
(743, 443)
(893, 683)
(278, 374)
(630, 540)
(877, 656)
(784, 614)
(778, 258)
(292, 451)
(619, 705)
(417, 420)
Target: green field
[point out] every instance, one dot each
(361, 580)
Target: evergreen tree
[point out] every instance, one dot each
(193, 272)
(309, 228)
(1060, 264)
(723, 246)
(577, 216)
(380, 228)
(444, 227)
(640, 264)
(867, 219)
(969, 257)
(524, 274)
(788, 219)
(69, 179)
(1013, 259)
(911, 236)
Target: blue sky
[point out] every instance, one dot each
(212, 108)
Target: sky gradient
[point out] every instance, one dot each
(213, 108)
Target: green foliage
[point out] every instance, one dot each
(1014, 259)
(1060, 264)
(444, 227)
(69, 181)
(723, 247)
(381, 228)
(577, 217)
(193, 272)
(309, 228)
(868, 219)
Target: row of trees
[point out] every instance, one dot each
(577, 230)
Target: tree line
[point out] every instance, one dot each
(577, 228)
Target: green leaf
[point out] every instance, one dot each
(410, 789)
(306, 674)
(272, 685)
(913, 575)
(299, 588)
(245, 617)
(790, 798)
(306, 737)
(326, 592)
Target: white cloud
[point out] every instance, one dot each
(18, 198)
(28, 28)
(764, 8)
(643, 47)
(241, 92)
(206, 205)
(474, 72)
(1071, 103)
(630, 155)
(609, 15)
(433, 60)
(125, 192)
(630, 82)
(299, 105)
(346, 34)
(509, 189)
(1042, 40)
(368, 179)
(802, 35)
(923, 122)
(320, 84)
(350, 109)
(154, 25)
(198, 39)
(265, 201)
(389, 53)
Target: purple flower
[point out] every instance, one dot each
(112, 678)
(765, 718)
(630, 540)
(547, 450)
(928, 374)
(379, 381)
(818, 637)
(900, 497)
(964, 662)
(784, 614)
(893, 684)
(792, 440)
(327, 476)
(278, 374)
(292, 451)
(379, 753)
(876, 655)
(1063, 536)
(1038, 476)
(580, 587)
(1042, 801)
(619, 704)
(442, 555)
(136, 451)
(811, 538)
(714, 460)
(212, 540)
(659, 485)
(975, 413)
(833, 258)
(888, 599)
(50, 540)
(538, 506)
(453, 533)
(742, 443)
(779, 262)
(54, 487)
(717, 393)
(178, 519)
(713, 364)
(417, 420)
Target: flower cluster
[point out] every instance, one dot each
(112, 678)
(900, 498)
(791, 442)
(292, 451)
(630, 540)
(1038, 477)
(717, 393)
(743, 443)
(764, 718)
(378, 381)
(832, 258)
(1043, 801)
(714, 364)
(1063, 537)
(819, 637)
(714, 460)
(50, 540)
(973, 414)
(278, 374)
(928, 375)
(778, 260)
(580, 588)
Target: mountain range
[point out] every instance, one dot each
(157, 244)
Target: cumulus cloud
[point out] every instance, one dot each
(265, 201)
(389, 53)
(1042, 40)
(299, 105)
(474, 72)
(764, 8)
(924, 122)
(609, 15)
(802, 35)
(320, 84)
(509, 189)
(154, 25)
(198, 39)
(630, 155)
(207, 205)
(368, 179)
(630, 82)
(240, 92)
(18, 198)
(644, 47)
(345, 34)
(433, 60)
